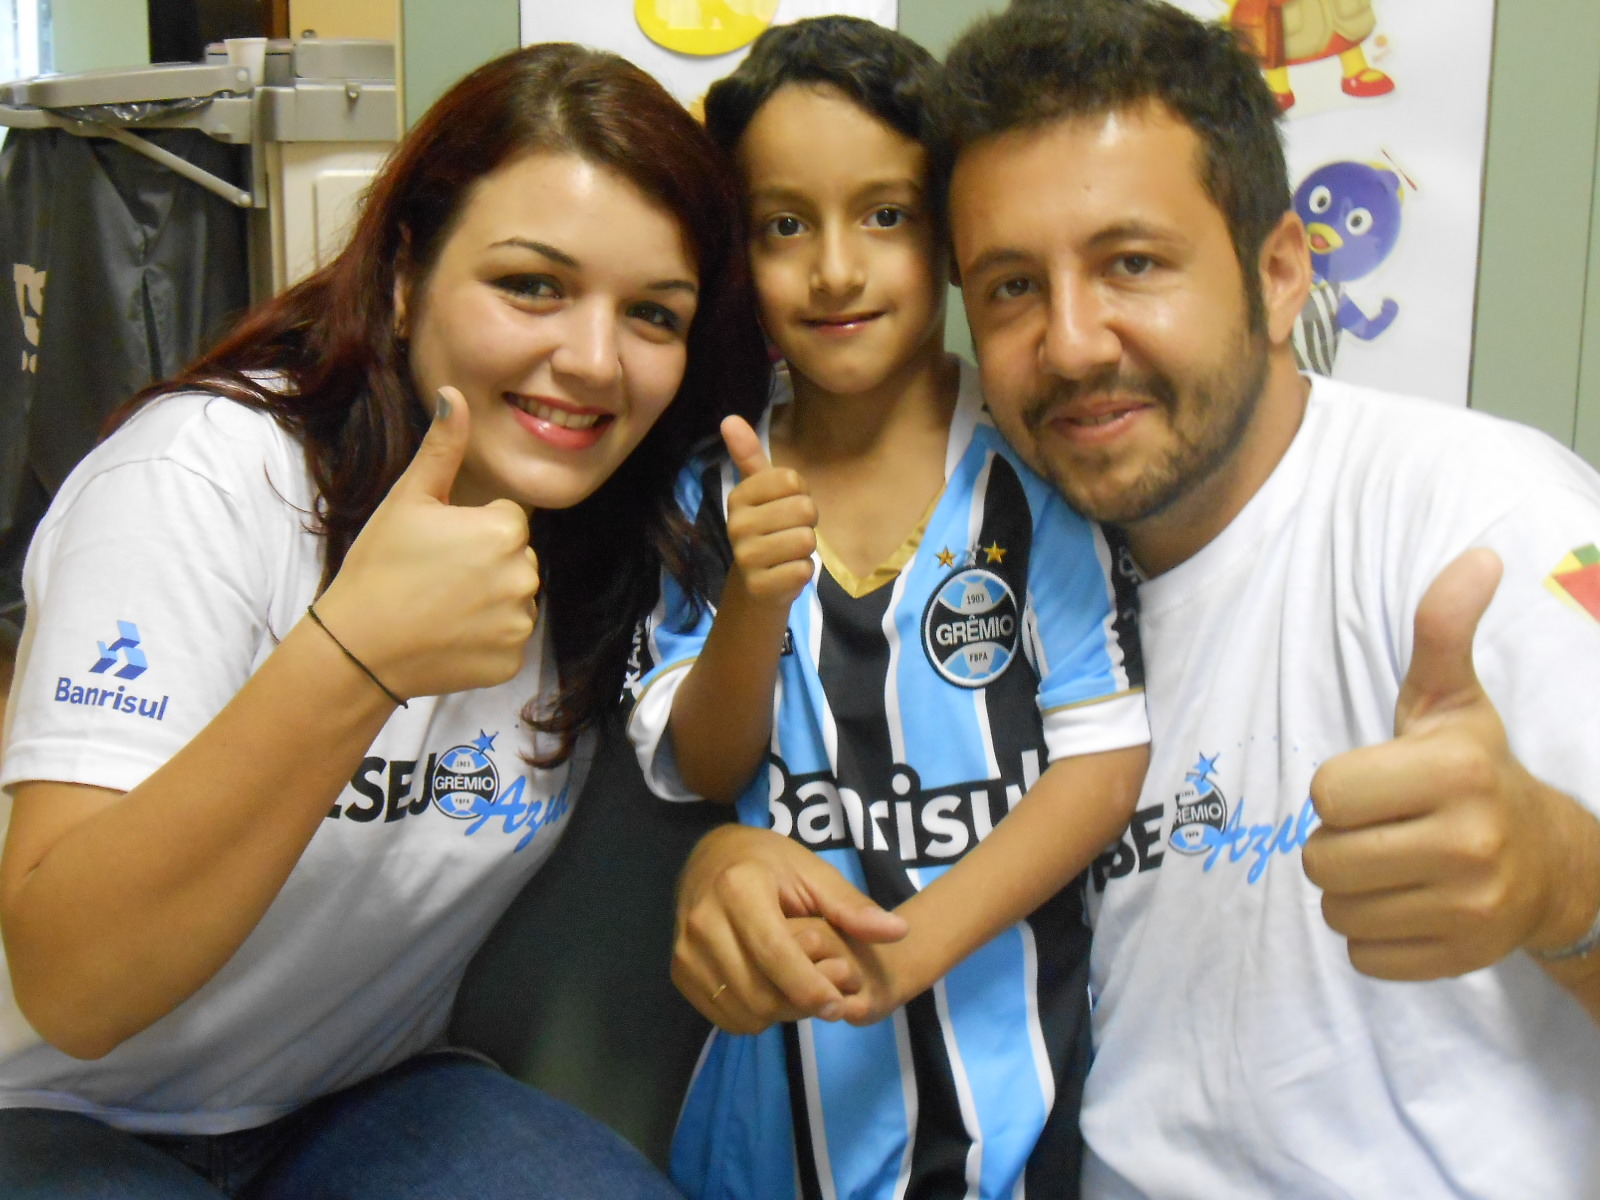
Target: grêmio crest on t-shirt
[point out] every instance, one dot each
(1202, 823)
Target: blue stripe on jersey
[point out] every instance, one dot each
(861, 1087)
(1063, 585)
(997, 1033)
(930, 707)
(734, 1139)
(801, 741)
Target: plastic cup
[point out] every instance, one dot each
(251, 54)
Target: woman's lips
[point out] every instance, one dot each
(562, 426)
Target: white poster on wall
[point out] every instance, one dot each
(686, 44)
(1386, 111)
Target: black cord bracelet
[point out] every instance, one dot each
(311, 611)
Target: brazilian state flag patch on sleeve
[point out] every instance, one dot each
(1576, 580)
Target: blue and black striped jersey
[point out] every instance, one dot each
(913, 711)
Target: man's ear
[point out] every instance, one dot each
(1285, 271)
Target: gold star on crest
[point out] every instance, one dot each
(946, 558)
(995, 552)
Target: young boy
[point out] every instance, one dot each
(916, 638)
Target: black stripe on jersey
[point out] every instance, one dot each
(1125, 593)
(941, 1145)
(1012, 700)
(853, 665)
(805, 1152)
(1061, 938)
(713, 552)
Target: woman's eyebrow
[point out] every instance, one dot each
(546, 250)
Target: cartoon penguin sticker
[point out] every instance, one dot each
(1351, 212)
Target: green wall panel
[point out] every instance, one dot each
(444, 39)
(91, 34)
(1587, 441)
(1538, 208)
(936, 24)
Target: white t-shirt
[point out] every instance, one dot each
(170, 563)
(1238, 1052)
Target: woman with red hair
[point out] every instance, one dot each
(316, 638)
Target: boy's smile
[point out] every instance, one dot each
(846, 259)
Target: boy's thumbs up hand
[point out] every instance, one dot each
(436, 598)
(1438, 851)
(771, 521)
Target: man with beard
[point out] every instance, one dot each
(1348, 945)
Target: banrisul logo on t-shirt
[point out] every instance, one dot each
(969, 629)
(463, 782)
(1200, 822)
(122, 658)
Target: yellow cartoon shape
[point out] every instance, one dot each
(1284, 33)
(704, 27)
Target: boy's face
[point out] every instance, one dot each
(847, 263)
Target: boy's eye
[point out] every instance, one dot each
(784, 227)
(530, 287)
(1136, 264)
(1010, 289)
(887, 217)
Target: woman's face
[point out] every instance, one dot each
(560, 307)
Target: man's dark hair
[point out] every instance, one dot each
(1042, 61)
(884, 73)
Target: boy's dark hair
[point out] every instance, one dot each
(1041, 61)
(885, 73)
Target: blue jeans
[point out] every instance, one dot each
(439, 1127)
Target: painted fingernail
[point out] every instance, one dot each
(829, 1011)
(442, 411)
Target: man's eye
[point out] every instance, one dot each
(887, 217)
(1010, 289)
(1136, 264)
(784, 227)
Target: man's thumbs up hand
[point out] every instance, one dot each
(1439, 853)
(433, 597)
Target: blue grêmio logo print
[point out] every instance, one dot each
(126, 650)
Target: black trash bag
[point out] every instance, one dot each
(119, 272)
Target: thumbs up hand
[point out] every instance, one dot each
(1439, 853)
(771, 521)
(436, 598)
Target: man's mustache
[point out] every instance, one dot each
(1065, 393)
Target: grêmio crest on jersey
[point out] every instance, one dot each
(971, 627)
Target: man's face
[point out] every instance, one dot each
(1108, 309)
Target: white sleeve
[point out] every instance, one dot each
(1083, 627)
(669, 642)
(1537, 650)
(147, 595)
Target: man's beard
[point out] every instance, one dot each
(1203, 437)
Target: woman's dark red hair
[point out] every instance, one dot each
(332, 340)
